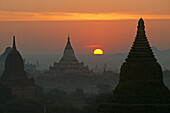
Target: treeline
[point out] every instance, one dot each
(10, 103)
(55, 101)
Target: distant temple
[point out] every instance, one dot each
(29, 67)
(69, 63)
(106, 71)
(141, 88)
(16, 78)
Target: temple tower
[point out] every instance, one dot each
(16, 78)
(141, 88)
(68, 55)
(69, 63)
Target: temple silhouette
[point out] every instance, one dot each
(16, 78)
(69, 63)
(141, 88)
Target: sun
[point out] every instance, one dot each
(98, 52)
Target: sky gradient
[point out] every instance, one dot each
(42, 26)
(59, 10)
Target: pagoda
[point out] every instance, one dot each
(141, 88)
(16, 78)
(69, 63)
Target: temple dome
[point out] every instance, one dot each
(14, 61)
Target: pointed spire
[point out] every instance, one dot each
(141, 28)
(68, 42)
(68, 46)
(68, 37)
(68, 54)
(14, 45)
(141, 50)
(141, 22)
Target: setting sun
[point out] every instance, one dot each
(98, 52)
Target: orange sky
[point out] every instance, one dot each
(41, 26)
(40, 10)
(111, 36)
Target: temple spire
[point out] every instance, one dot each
(141, 28)
(68, 46)
(68, 52)
(141, 50)
(141, 22)
(68, 42)
(68, 36)
(14, 45)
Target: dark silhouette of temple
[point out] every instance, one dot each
(16, 78)
(29, 67)
(141, 88)
(69, 63)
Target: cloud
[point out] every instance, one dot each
(60, 16)
(91, 46)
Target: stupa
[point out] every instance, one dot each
(141, 88)
(16, 78)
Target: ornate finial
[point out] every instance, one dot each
(141, 19)
(141, 28)
(141, 23)
(68, 37)
(14, 45)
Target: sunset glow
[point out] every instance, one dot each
(106, 24)
(98, 51)
(58, 16)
